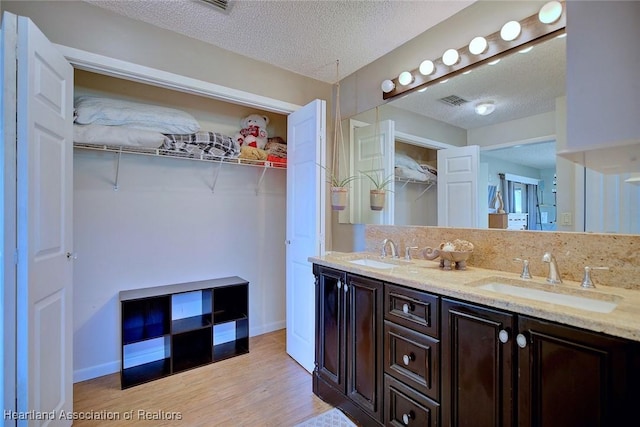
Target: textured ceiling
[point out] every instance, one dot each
(306, 37)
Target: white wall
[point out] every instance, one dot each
(162, 226)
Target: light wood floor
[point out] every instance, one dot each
(263, 388)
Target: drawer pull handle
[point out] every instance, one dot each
(521, 340)
(503, 336)
(406, 308)
(407, 417)
(408, 358)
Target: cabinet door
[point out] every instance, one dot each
(330, 347)
(477, 371)
(364, 343)
(571, 377)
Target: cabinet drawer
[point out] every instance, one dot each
(406, 407)
(413, 309)
(413, 358)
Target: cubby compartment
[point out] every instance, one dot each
(173, 328)
(145, 319)
(191, 349)
(231, 321)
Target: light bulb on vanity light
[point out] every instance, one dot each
(510, 31)
(550, 12)
(405, 78)
(478, 45)
(427, 67)
(450, 57)
(387, 86)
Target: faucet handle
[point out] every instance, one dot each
(525, 268)
(586, 280)
(407, 252)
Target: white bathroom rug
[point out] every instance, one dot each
(332, 418)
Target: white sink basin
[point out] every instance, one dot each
(599, 303)
(372, 263)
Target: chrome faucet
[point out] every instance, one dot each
(407, 252)
(394, 248)
(554, 274)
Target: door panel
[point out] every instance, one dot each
(44, 225)
(331, 339)
(305, 225)
(364, 343)
(477, 366)
(458, 186)
(373, 153)
(570, 377)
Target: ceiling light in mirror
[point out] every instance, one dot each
(510, 31)
(405, 78)
(485, 108)
(550, 12)
(450, 57)
(478, 45)
(387, 86)
(427, 67)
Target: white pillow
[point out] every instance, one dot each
(117, 112)
(117, 135)
(404, 160)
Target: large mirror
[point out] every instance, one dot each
(517, 148)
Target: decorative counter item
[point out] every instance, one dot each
(498, 203)
(453, 255)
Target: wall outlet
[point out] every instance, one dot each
(566, 219)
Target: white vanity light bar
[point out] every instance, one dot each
(532, 31)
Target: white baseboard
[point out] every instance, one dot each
(96, 371)
(114, 366)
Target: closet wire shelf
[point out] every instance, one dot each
(174, 154)
(159, 152)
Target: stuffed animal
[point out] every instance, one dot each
(252, 153)
(253, 132)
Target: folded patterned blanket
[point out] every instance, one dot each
(202, 143)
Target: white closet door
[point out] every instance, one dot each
(44, 227)
(373, 152)
(458, 187)
(305, 225)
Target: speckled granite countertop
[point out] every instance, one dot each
(623, 321)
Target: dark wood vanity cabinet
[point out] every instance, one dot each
(348, 371)
(391, 355)
(503, 369)
(411, 357)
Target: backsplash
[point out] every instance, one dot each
(495, 249)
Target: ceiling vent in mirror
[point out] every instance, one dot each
(453, 100)
(218, 4)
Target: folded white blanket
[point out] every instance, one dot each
(117, 112)
(117, 135)
(407, 173)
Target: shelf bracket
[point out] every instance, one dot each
(424, 191)
(115, 183)
(216, 172)
(264, 170)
